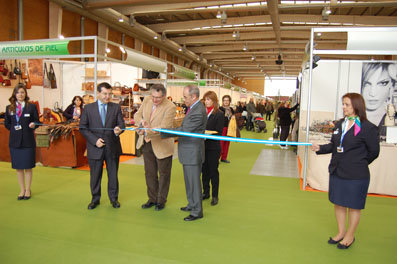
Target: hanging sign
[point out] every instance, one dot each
(184, 72)
(34, 48)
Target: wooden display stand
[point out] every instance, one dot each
(67, 152)
(4, 148)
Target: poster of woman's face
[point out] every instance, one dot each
(378, 82)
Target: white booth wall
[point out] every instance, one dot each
(330, 81)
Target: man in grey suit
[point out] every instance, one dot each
(191, 150)
(101, 124)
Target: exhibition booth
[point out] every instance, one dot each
(321, 103)
(54, 75)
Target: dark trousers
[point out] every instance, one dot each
(210, 172)
(284, 133)
(268, 115)
(224, 145)
(96, 169)
(157, 174)
(193, 188)
(249, 125)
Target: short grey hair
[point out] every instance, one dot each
(158, 87)
(193, 90)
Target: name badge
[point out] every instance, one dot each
(339, 149)
(18, 127)
(336, 131)
(26, 115)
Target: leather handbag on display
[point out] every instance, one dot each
(12, 75)
(52, 77)
(6, 82)
(46, 81)
(24, 74)
(17, 70)
(5, 70)
(28, 83)
(136, 88)
(2, 62)
(1, 79)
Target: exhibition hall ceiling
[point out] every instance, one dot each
(245, 38)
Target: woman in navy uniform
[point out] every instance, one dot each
(20, 119)
(354, 145)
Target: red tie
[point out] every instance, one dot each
(188, 109)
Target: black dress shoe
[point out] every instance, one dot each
(115, 204)
(192, 217)
(334, 242)
(21, 198)
(225, 161)
(205, 196)
(148, 205)
(159, 207)
(341, 246)
(186, 209)
(214, 201)
(93, 205)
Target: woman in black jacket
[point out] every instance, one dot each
(20, 119)
(75, 109)
(210, 171)
(354, 145)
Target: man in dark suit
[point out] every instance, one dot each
(101, 124)
(191, 150)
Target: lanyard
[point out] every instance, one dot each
(344, 131)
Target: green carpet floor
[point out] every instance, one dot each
(258, 220)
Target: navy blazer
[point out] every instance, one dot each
(215, 123)
(358, 151)
(23, 138)
(91, 128)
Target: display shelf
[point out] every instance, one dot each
(98, 77)
(151, 80)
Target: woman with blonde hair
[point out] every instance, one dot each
(210, 173)
(20, 119)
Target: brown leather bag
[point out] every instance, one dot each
(12, 75)
(24, 75)
(28, 83)
(6, 82)
(52, 77)
(5, 70)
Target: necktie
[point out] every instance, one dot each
(19, 110)
(188, 109)
(103, 114)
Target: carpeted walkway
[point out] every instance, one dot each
(258, 220)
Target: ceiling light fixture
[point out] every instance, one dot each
(245, 48)
(61, 37)
(122, 49)
(121, 19)
(107, 50)
(218, 15)
(155, 37)
(223, 17)
(253, 57)
(326, 12)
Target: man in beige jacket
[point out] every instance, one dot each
(156, 111)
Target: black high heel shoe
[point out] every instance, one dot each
(21, 197)
(334, 242)
(341, 246)
(27, 197)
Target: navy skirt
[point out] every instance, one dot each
(23, 158)
(348, 193)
